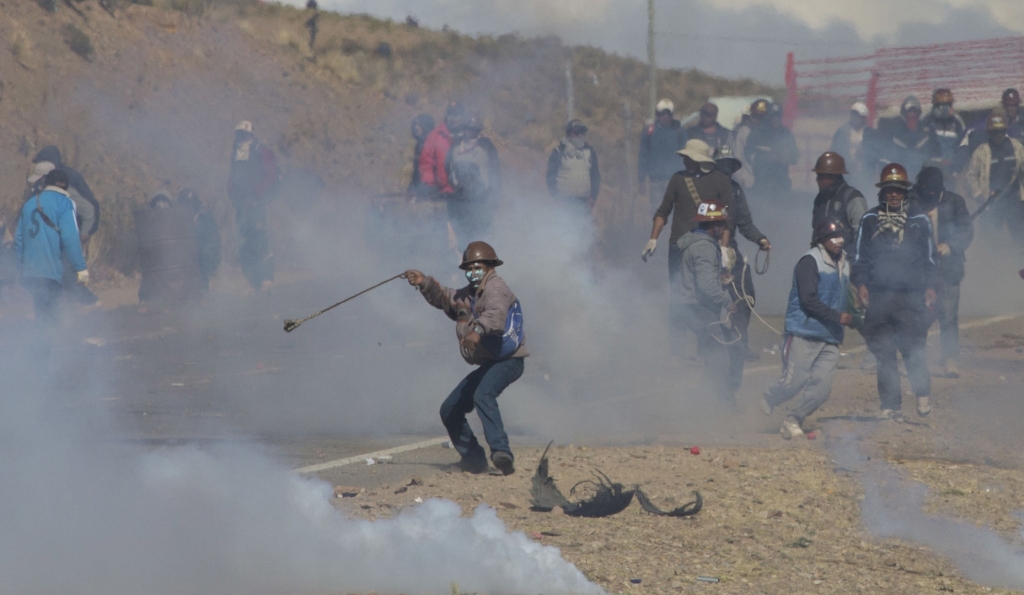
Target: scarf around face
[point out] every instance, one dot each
(574, 146)
(892, 221)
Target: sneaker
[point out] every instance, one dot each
(791, 428)
(892, 415)
(924, 406)
(950, 369)
(503, 461)
(766, 407)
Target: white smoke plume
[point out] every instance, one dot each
(893, 508)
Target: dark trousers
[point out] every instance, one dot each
(898, 321)
(743, 281)
(720, 350)
(949, 320)
(480, 390)
(45, 298)
(254, 254)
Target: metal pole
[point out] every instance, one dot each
(570, 96)
(627, 116)
(652, 73)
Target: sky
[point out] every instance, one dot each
(733, 38)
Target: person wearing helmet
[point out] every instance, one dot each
(708, 129)
(946, 130)
(573, 174)
(474, 173)
(1009, 107)
(849, 142)
(700, 181)
(754, 118)
(994, 180)
(815, 318)
(433, 174)
(836, 198)
(740, 219)
(489, 326)
(896, 275)
(954, 230)
(901, 140)
(251, 182)
(771, 150)
(658, 161)
(702, 299)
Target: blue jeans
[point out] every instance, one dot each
(480, 390)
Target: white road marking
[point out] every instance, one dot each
(370, 455)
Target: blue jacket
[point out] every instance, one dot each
(815, 314)
(38, 245)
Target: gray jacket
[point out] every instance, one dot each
(701, 272)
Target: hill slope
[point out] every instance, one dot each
(159, 96)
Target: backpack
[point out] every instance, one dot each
(503, 347)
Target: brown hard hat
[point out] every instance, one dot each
(942, 95)
(1011, 97)
(832, 163)
(479, 252)
(759, 107)
(995, 122)
(709, 210)
(828, 228)
(894, 175)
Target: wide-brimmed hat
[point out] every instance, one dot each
(41, 169)
(697, 150)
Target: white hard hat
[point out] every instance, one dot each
(859, 108)
(244, 125)
(40, 170)
(664, 104)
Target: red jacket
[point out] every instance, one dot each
(431, 163)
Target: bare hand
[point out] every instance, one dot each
(930, 297)
(846, 319)
(470, 341)
(943, 249)
(862, 293)
(415, 278)
(765, 244)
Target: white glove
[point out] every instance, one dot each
(83, 277)
(649, 249)
(728, 258)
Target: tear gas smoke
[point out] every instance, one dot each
(893, 508)
(85, 515)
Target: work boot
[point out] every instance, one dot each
(924, 406)
(791, 428)
(766, 407)
(950, 369)
(892, 415)
(503, 461)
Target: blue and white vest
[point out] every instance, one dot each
(832, 287)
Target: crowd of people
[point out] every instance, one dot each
(890, 271)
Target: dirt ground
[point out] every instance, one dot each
(779, 516)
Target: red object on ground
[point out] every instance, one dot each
(259, 366)
(695, 450)
(812, 435)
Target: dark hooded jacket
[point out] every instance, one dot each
(953, 227)
(843, 202)
(75, 180)
(884, 262)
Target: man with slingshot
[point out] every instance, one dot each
(489, 326)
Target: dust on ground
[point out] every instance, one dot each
(779, 516)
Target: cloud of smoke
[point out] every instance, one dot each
(893, 507)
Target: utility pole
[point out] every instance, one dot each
(652, 74)
(570, 95)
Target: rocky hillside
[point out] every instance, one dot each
(150, 95)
